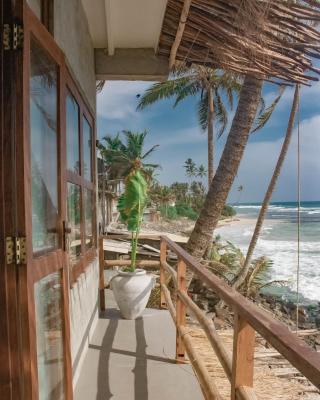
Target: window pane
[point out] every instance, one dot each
(88, 203)
(87, 149)
(43, 131)
(73, 144)
(74, 219)
(49, 332)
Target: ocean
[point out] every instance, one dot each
(278, 241)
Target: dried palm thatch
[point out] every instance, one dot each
(274, 377)
(270, 39)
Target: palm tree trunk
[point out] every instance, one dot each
(244, 270)
(228, 167)
(210, 137)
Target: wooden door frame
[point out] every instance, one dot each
(12, 212)
(43, 265)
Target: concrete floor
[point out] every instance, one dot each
(134, 360)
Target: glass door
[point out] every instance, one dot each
(46, 275)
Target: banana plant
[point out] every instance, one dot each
(131, 205)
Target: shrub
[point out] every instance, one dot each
(186, 211)
(228, 211)
(168, 212)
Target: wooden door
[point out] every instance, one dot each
(11, 105)
(44, 279)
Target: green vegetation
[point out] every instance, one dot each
(227, 260)
(126, 159)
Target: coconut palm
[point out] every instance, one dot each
(201, 172)
(190, 167)
(220, 186)
(243, 122)
(242, 276)
(121, 156)
(210, 84)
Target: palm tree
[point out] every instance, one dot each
(220, 186)
(202, 172)
(121, 157)
(242, 276)
(190, 167)
(210, 84)
(240, 190)
(163, 195)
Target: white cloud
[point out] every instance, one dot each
(118, 99)
(259, 161)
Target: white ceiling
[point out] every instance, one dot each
(125, 23)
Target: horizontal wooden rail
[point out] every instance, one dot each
(125, 263)
(171, 271)
(301, 356)
(222, 353)
(125, 236)
(169, 302)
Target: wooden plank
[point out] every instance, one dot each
(243, 355)
(163, 258)
(181, 310)
(301, 356)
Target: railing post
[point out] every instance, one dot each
(243, 355)
(180, 310)
(102, 297)
(163, 258)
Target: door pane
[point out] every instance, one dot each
(49, 332)
(88, 217)
(43, 132)
(87, 149)
(74, 220)
(73, 145)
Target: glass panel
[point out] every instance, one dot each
(43, 131)
(88, 202)
(74, 219)
(49, 332)
(87, 149)
(73, 143)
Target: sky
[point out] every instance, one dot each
(177, 132)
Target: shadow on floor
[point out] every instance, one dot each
(141, 357)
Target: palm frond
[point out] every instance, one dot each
(190, 89)
(163, 90)
(145, 155)
(221, 114)
(264, 117)
(203, 111)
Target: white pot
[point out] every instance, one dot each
(132, 291)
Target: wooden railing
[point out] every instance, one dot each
(248, 319)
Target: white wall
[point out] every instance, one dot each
(71, 32)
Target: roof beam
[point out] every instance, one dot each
(131, 64)
(179, 34)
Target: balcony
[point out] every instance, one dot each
(134, 360)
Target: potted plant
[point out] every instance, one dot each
(132, 286)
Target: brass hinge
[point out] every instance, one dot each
(16, 250)
(12, 36)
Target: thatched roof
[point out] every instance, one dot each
(271, 39)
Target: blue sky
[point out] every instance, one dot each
(179, 136)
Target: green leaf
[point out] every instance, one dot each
(265, 115)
